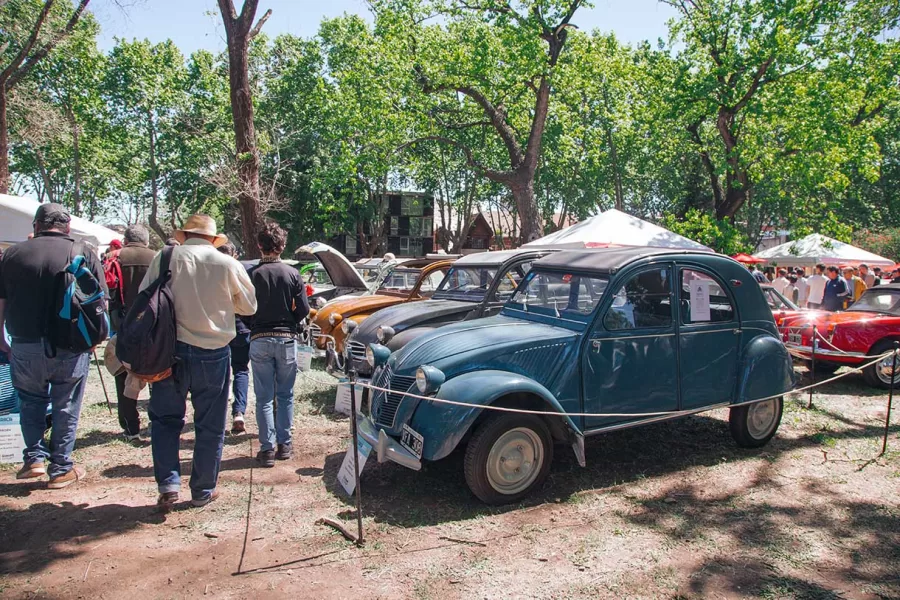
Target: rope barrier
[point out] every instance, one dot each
(602, 415)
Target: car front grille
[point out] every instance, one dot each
(357, 350)
(385, 404)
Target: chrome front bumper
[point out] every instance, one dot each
(807, 351)
(386, 447)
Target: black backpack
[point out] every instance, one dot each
(79, 320)
(146, 340)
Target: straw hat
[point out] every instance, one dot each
(202, 225)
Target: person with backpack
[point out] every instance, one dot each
(53, 300)
(207, 289)
(130, 265)
(282, 306)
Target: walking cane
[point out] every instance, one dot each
(102, 382)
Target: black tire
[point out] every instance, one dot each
(871, 374)
(532, 431)
(753, 425)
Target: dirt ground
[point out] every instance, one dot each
(673, 510)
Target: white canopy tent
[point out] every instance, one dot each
(17, 214)
(816, 248)
(615, 228)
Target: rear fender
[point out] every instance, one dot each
(444, 425)
(766, 369)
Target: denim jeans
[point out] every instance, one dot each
(274, 363)
(240, 370)
(205, 375)
(55, 382)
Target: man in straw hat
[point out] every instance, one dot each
(209, 288)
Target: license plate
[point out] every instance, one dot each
(795, 338)
(412, 441)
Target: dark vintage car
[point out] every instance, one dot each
(476, 286)
(867, 329)
(612, 338)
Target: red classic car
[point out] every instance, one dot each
(850, 338)
(782, 308)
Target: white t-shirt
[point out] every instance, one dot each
(803, 292)
(816, 288)
(780, 283)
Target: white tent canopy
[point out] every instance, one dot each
(17, 215)
(615, 228)
(816, 248)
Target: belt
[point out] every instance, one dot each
(26, 340)
(274, 334)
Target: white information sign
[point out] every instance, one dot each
(342, 397)
(11, 442)
(699, 300)
(346, 476)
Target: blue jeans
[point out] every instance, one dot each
(240, 370)
(205, 375)
(274, 363)
(55, 382)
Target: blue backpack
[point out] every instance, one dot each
(79, 320)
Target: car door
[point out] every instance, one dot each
(629, 363)
(709, 339)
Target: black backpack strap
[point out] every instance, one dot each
(165, 262)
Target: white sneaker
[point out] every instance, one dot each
(237, 424)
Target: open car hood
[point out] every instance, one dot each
(342, 273)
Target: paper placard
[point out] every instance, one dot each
(11, 442)
(700, 300)
(304, 358)
(346, 476)
(342, 397)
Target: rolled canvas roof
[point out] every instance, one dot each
(17, 214)
(817, 248)
(615, 228)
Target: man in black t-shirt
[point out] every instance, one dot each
(28, 287)
(281, 306)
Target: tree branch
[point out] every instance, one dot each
(754, 85)
(28, 45)
(259, 25)
(493, 175)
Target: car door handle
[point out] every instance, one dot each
(736, 331)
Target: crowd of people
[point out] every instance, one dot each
(827, 287)
(228, 316)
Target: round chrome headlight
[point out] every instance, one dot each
(384, 334)
(421, 380)
(370, 356)
(429, 379)
(348, 326)
(334, 319)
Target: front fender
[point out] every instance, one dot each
(766, 369)
(444, 425)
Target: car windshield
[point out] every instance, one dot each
(563, 295)
(470, 282)
(880, 301)
(776, 301)
(316, 275)
(400, 280)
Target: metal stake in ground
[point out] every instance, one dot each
(887, 418)
(812, 368)
(352, 376)
(102, 382)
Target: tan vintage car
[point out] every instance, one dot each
(414, 280)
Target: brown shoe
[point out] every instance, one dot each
(166, 502)
(66, 479)
(31, 470)
(200, 502)
(284, 452)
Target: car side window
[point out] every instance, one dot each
(509, 281)
(643, 302)
(432, 281)
(703, 299)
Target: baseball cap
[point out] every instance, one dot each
(51, 212)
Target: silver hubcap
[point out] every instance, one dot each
(885, 369)
(761, 418)
(515, 460)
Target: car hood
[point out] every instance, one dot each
(820, 317)
(351, 306)
(494, 342)
(410, 314)
(341, 271)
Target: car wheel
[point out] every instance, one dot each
(753, 425)
(879, 374)
(508, 456)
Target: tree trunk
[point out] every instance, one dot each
(4, 142)
(239, 30)
(76, 157)
(154, 184)
(529, 217)
(45, 176)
